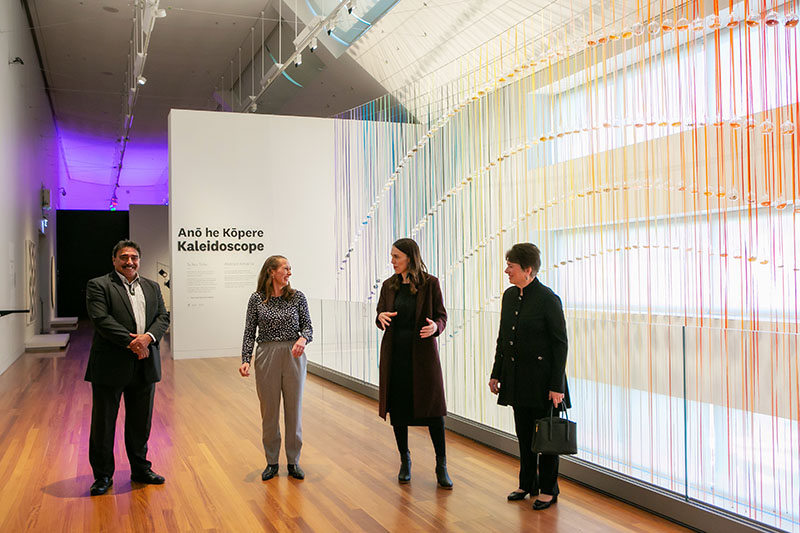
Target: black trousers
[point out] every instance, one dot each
(138, 416)
(435, 430)
(537, 472)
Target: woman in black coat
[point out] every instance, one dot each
(412, 314)
(529, 367)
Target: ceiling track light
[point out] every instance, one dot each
(144, 14)
(271, 73)
(310, 31)
(308, 38)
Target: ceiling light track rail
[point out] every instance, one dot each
(307, 39)
(145, 13)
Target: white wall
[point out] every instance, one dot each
(29, 159)
(265, 173)
(149, 227)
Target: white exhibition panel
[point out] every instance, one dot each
(271, 176)
(149, 227)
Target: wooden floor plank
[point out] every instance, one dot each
(206, 441)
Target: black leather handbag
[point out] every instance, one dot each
(555, 435)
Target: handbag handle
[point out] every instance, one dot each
(566, 416)
(561, 409)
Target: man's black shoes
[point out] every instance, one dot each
(101, 486)
(149, 477)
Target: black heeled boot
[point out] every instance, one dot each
(441, 473)
(404, 476)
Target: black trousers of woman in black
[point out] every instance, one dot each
(435, 429)
(537, 472)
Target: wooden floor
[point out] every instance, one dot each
(206, 441)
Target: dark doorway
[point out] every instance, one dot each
(83, 251)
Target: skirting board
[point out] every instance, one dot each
(690, 514)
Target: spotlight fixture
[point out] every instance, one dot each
(310, 31)
(313, 45)
(141, 80)
(253, 107)
(329, 29)
(298, 60)
(351, 5)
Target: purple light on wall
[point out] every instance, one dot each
(90, 173)
(89, 159)
(145, 165)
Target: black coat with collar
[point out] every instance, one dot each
(111, 363)
(531, 355)
(429, 400)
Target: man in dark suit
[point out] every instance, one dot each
(129, 319)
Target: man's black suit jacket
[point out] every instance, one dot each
(111, 363)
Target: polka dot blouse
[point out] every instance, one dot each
(276, 319)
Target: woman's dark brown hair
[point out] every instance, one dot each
(417, 271)
(525, 255)
(264, 286)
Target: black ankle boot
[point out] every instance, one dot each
(441, 473)
(404, 476)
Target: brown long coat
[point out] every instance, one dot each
(427, 371)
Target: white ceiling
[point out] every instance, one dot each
(84, 46)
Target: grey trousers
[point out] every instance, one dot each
(277, 371)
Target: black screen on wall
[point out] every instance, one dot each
(84, 240)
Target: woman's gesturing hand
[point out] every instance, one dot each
(244, 370)
(385, 318)
(494, 386)
(428, 330)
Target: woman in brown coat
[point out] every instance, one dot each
(411, 312)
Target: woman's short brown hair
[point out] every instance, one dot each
(525, 254)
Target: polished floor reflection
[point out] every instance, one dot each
(206, 442)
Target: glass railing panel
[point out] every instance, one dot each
(627, 395)
(742, 423)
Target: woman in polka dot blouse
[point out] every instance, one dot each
(280, 313)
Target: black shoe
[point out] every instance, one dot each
(540, 505)
(441, 473)
(296, 472)
(101, 486)
(149, 477)
(517, 496)
(404, 476)
(269, 472)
